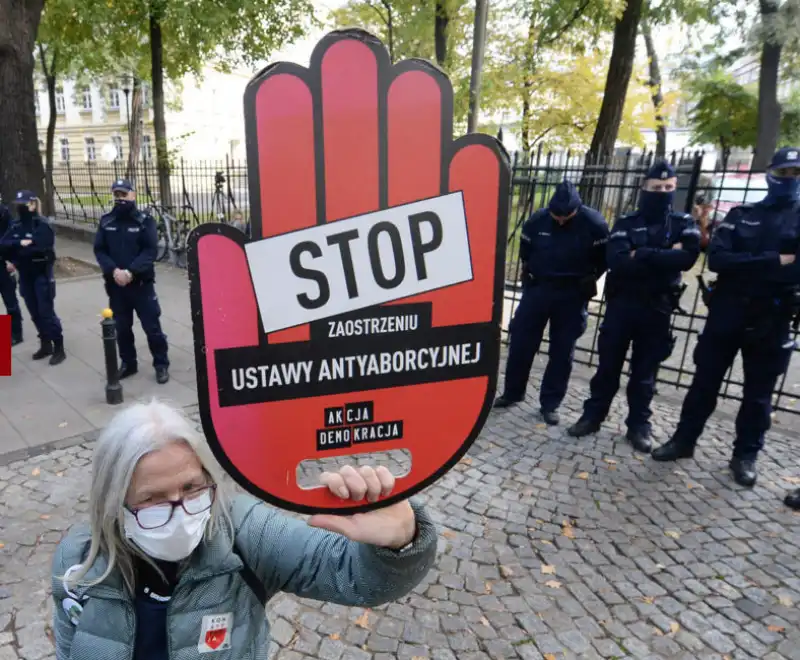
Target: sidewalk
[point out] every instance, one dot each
(41, 406)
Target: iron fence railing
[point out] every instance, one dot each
(217, 190)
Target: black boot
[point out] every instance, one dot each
(162, 375)
(640, 440)
(58, 352)
(504, 402)
(45, 349)
(583, 427)
(673, 450)
(744, 471)
(126, 370)
(793, 500)
(550, 417)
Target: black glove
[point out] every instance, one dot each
(588, 287)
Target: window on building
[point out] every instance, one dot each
(41, 145)
(61, 104)
(36, 102)
(117, 142)
(91, 153)
(147, 148)
(86, 98)
(65, 150)
(145, 96)
(113, 99)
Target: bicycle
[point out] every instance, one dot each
(172, 233)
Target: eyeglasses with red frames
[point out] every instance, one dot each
(193, 503)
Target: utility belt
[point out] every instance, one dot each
(670, 297)
(36, 267)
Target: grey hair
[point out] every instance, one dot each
(134, 432)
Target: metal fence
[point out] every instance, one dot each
(217, 190)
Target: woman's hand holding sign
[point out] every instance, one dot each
(390, 527)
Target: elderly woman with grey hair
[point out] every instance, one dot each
(171, 566)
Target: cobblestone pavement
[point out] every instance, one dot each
(549, 548)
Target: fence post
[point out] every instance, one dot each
(113, 386)
(694, 179)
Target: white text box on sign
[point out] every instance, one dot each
(351, 264)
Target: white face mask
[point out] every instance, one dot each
(174, 541)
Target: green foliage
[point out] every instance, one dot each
(725, 113)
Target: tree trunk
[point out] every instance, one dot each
(527, 85)
(50, 74)
(135, 142)
(478, 45)
(657, 95)
(159, 123)
(20, 162)
(525, 128)
(620, 69)
(440, 32)
(769, 110)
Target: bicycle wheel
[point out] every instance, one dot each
(180, 238)
(162, 243)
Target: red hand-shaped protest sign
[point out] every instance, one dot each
(364, 313)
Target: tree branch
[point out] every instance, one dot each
(378, 12)
(570, 22)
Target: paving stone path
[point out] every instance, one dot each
(549, 548)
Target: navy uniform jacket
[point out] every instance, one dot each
(746, 247)
(5, 222)
(572, 251)
(33, 259)
(128, 242)
(656, 268)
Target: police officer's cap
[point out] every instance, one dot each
(661, 170)
(24, 197)
(122, 184)
(786, 157)
(565, 199)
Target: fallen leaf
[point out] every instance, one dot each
(658, 632)
(59, 474)
(45, 516)
(548, 569)
(487, 587)
(648, 599)
(334, 636)
(583, 475)
(449, 534)
(610, 461)
(568, 532)
(776, 628)
(549, 656)
(674, 627)
(673, 534)
(785, 601)
(363, 620)
(466, 461)
(484, 621)
(545, 541)
(36, 472)
(2, 545)
(505, 571)
(660, 567)
(792, 480)
(541, 426)
(62, 425)
(553, 584)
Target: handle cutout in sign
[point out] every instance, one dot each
(363, 313)
(359, 262)
(397, 461)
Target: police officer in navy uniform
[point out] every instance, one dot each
(126, 246)
(647, 252)
(8, 285)
(562, 250)
(29, 244)
(754, 253)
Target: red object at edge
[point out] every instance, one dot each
(5, 345)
